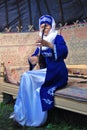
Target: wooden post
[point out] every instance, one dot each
(2, 72)
(61, 12)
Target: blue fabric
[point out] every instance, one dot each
(57, 74)
(36, 52)
(78, 13)
(45, 19)
(37, 87)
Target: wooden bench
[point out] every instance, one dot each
(60, 101)
(78, 79)
(6, 87)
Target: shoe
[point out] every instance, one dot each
(11, 116)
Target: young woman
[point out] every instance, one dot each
(37, 87)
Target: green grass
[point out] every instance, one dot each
(57, 120)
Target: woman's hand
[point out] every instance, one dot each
(40, 42)
(33, 60)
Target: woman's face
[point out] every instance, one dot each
(47, 28)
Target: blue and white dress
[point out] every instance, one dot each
(37, 87)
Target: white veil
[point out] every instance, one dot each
(52, 34)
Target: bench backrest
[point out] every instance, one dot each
(76, 38)
(16, 47)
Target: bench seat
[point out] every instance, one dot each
(73, 97)
(70, 104)
(61, 99)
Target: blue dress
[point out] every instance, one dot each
(56, 75)
(37, 87)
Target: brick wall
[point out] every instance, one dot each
(16, 47)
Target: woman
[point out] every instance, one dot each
(37, 87)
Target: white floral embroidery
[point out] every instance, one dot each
(47, 101)
(51, 91)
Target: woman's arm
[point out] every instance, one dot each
(60, 48)
(33, 59)
(40, 42)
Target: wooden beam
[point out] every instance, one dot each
(19, 16)
(6, 12)
(38, 6)
(81, 5)
(61, 12)
(30, 13)
(46, 4)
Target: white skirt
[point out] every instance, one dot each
(28, 109)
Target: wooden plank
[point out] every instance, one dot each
(77, 70)
(11, 91)
(8, 84)
(71, 105)
(77, 66)
(1, 97)
(9, 88)
(78, 76)
(66, 103)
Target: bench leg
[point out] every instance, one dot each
(7, 98)
(1, 97)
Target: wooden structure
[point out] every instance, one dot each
(77, 70)
(66, 103)
(69, 101)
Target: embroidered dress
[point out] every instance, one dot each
(37, 87)
(56, 75)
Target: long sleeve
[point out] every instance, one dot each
(36, 52)
(60, 48)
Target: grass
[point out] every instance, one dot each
(57, 120)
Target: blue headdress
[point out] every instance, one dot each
(49, 20)
(45, 19)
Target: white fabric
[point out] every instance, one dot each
(52, 34)
(28, 110)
